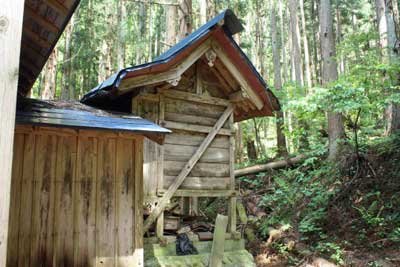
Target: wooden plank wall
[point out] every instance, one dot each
(189, 121)
(73, 199)
(212, 170)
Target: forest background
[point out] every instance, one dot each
(334, 66)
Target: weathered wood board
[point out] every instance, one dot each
(74, 199)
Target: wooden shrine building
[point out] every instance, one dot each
(76, 191)
(198, 89)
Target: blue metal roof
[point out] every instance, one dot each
(76, 115)
(231, 25)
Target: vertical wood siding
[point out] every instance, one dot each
(73, 200)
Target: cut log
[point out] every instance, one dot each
(269, 166)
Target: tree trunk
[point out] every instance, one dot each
(329, 74)
(67, 89)
(171, 25)
(283, 44)
(281, 141)
(393, 110)
(122, 30)
(339, 36)
(296, 50)
(203, 11)
(185, 18)
(251, 150)
(269, 166)
(261, 149)
(305, 45)
(316, 40)
(239, 143)
(49, 77)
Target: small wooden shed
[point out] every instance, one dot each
(77, 186)
(198, 89)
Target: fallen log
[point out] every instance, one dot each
(269, 166)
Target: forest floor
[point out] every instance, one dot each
(317, 214)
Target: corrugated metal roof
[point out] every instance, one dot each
(77, 115)
(231, 25)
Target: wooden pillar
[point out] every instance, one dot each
(232, 200)
(11, 14)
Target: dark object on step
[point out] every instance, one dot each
(184, 246)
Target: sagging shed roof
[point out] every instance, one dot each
(44, 22)
(71, 114)
(220, 29)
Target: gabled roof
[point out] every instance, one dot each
(70, 114)
(220, 29)
(44, 22)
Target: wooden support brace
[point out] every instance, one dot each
(218, 245)
(187, 169)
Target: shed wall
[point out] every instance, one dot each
(75, 198)
(190, 120)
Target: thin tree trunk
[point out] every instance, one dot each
(49, 77)
(316, 41)
(329, 74)
(185, 18)
(203, 11)
(339, 36)
(171, 25)
(283, 44)
(305, 45)
(393, 46)
(281, 141)
(67, 89)
(122, 30)
(296, 50)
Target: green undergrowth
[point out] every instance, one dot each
(332, 208)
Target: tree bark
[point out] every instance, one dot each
(283, 44)
(393, 46)
(185, 18)
(251, 150)
(269, 166)
(296, 50)
(49, 77)
(203, 11)
(67, 90)
(281, 141)
(329, 74)
(122, 31)
(171, 25)
(305, 45)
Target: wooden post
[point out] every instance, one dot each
(160, 164)
(232, 200)
(218, 245)
(11, 14)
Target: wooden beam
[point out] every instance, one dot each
(43, 21)
(187, 169)
(218, 245)
(11, 14)
(43, 43)
(204, 193)
(237, 96)
(193, 128)
(238, 76)
(196, 98)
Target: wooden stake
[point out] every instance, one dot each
(218, 245)
(187, 168)
(11, 14)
